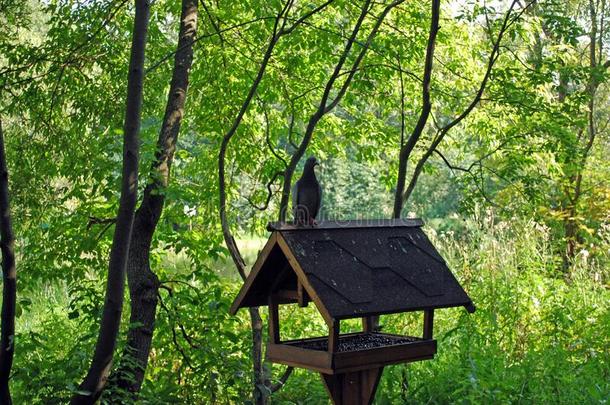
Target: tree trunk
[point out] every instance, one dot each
(260, 392)
(407, 148)
(9, 281)
(142, 281)
(573, 192)
(93, 384)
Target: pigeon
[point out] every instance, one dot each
(307, 195)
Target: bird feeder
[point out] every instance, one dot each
(351, 269)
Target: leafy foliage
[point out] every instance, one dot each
(500, 192)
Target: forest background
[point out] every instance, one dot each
(488, 119)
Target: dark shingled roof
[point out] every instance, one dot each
(356, 268)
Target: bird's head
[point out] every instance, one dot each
(310, 163)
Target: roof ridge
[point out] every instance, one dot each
(347, 224)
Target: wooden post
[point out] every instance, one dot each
(353, 388)
(333, 336)
(368, 324)
(274, 320)
(428, 321)
(303, 298)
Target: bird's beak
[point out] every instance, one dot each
(316, 164)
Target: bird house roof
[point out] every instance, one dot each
(354, 268)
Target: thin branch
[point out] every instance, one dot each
(202, 37)
(276, 387)
(449, 165)
(240, 264)
(268, 135)
(99, 221)
(360, 56)
(270, 193)
(304, 17)
(177, 345)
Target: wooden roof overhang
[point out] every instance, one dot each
(353, 269)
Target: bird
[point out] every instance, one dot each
(307, 195)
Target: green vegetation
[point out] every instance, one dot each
(535, 338)
(500, 142)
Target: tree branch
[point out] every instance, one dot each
(507, 22)
(276, 387)
(325, 106)
(407, 148)
(95, 380)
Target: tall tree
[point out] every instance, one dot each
(92, 386)
(401, 195)
(407, 148)
(578, 158)
(142, 281)
(9, 281)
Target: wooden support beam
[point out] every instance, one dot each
(274, 320)
(428, 323)
(303, 297)
(333, 336)
(353, 388)
(368, 324)
(287, 295)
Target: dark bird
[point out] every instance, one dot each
(307, 195)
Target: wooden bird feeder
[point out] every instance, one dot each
(351, 269)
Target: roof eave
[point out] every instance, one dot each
(243, 292)
(294, 263)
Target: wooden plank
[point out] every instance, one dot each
(316, 360)
(262, 257)
(333, 384)
(408, 352)
(368, 324)
(341, 362)
(428, 323)
(302, 277)
(370, 382)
